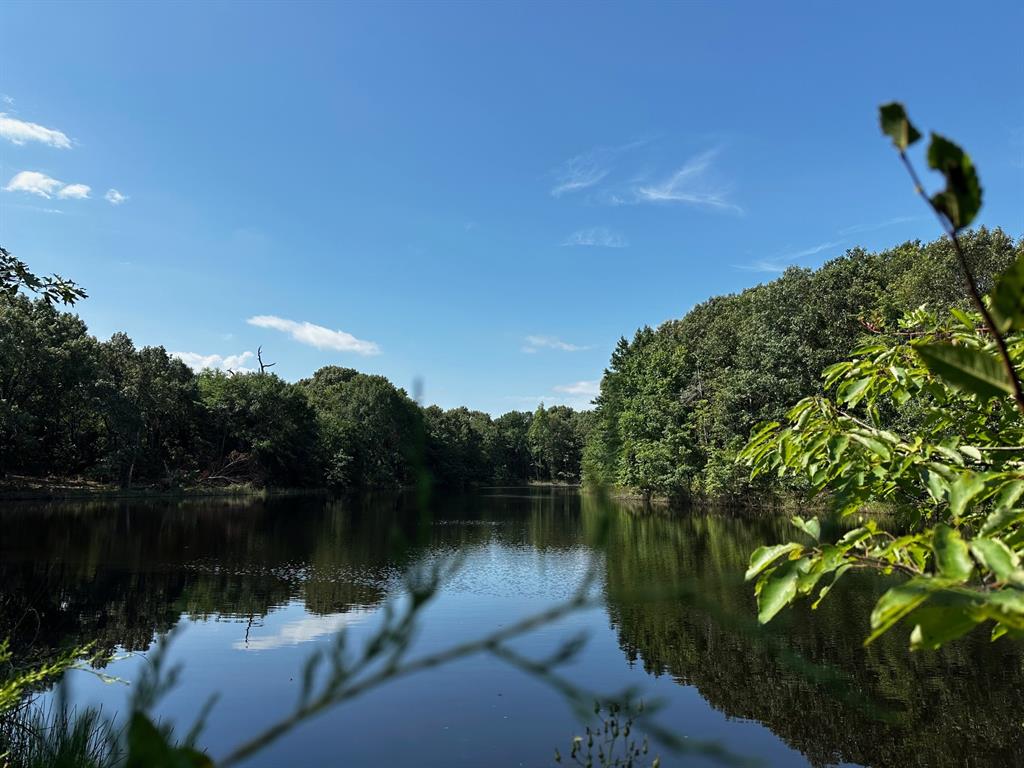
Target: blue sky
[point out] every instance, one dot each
(480, 196)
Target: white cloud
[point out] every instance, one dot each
(578, 173)
(589, 389)
(535, 343)
(8, 100)
(858, 228)
(114, 197)
(198, 362)
(579, 395)
(75, 192)
(588, 169)
(316, 335)
(20, 132)
(34, 183)
(779, 264)
(600, 237)
(691, 185)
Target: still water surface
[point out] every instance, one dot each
(256, 586)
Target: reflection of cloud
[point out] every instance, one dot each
(300, 631)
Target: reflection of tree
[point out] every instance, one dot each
(77, 573)
(808, 679)
(118, 575)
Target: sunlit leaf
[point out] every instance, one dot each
(1005, 513)
(762, 557)
(897, 603)
(952, 559)
(778, 590)
(970, 370)
(998, 558)
(949, 618)
(811, 527)
(961, 492)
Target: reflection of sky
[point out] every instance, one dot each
(296, 632)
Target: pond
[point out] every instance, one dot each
(255, 586)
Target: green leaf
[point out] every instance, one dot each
(897, 603)
(937, 485)
(897, 126)
(762, 557)
(947, 618)
(851, 392)
(998, 558)
(960, 201)
(811, 527)
(1008, 298)
(828, 587)
(1005, 513)
(778, 590)
(969, 370)
(952, 560)
(966, 487)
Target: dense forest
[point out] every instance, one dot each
(72, 406)
(677, 403)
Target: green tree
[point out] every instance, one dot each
(370, 432)
(260, 429)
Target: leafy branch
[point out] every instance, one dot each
(955, 207)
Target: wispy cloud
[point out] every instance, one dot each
(859, 228)
(316, 335)
(114, 197)
(692, 184)
(600, 237)
(34, 183)
(535, 343)
(75, 192)
(588, 169)
(198, 362)
(21, 132)
(778, 264)
(581, 172)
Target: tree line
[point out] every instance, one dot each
(677, 403)
(72, 406)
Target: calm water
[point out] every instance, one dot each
(257, 586)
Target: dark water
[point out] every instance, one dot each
(257, 586)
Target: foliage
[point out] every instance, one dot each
(927, 421)
(260, 429)
(555, 438)
(677, 402)
(73, 406)
(15, 274)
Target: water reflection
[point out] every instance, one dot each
(292, 572)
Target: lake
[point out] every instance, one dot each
(256, 586)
